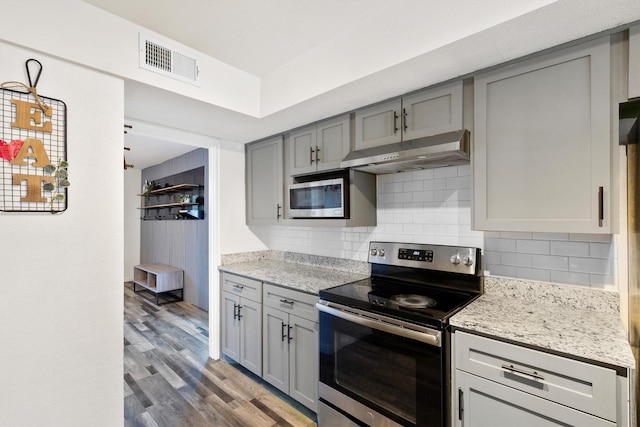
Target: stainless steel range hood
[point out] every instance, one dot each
(451, 148)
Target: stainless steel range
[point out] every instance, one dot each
(384, 341)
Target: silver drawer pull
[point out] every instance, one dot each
(286, 301)
(521, 372)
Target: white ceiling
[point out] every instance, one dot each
(364, 50)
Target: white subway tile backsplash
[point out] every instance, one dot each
(434, 184)
(403, 198)
(516, 259)
(570, 277)
(533, 274)
(591, 265)
(434, 206)
(423, 196)
(458, 182)
(605, 238)
(422, 174)
(491, 257)
(500, 245)
(464, 170)
(550, 236)
(515, 235)
(445, 172)
(501, 270)
(551, 262)
(412, 186)
(570, 248)
(532, 246)
(601, 250)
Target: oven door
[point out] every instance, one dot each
(380, 371)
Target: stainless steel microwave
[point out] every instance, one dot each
(318, 199)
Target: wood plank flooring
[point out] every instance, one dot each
(170, 381)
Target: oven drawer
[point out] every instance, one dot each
(588, 388)
(243, 286)
(291, 301)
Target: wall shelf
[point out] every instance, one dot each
(165, 203)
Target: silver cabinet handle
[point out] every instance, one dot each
(286, 301)
(395, 122)
(521, 372)
(311, 154)
(278, 214)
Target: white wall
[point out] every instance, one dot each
(132, 187)
(235, 236)
(86, 34)
(61, 278)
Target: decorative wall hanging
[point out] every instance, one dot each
(33, 148)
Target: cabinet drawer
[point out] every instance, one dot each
(243, 286)
(588, 388)
(291, 301)
(486, 403)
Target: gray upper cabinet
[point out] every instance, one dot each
(319, 147)
(425, 113)
(542, 144)
(264, 162)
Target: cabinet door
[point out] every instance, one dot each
(304, 361)
(332, 142)
(251, 335)
(264, 182)
(276, 348)
(378, 125)
(302, 150)
(542, 142)
(486, 403)
(230, 327)
(432, 112)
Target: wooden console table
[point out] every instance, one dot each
(159, 279)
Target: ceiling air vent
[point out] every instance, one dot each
(162, 58)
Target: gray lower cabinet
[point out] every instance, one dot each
(241, 321)
(501, 384)
(290, 343)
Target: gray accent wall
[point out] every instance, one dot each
(180, 243)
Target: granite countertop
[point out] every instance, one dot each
(580, 323)
(571, 321)
(296, 271)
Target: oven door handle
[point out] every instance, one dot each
(391, 326)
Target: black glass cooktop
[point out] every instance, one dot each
(417, 303)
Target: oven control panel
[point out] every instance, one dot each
(455, 259)
(415, 254)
